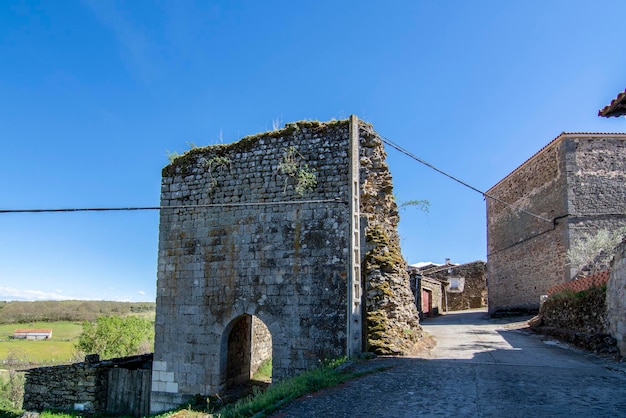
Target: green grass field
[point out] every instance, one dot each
(57, 350)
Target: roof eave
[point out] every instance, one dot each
(616, 108)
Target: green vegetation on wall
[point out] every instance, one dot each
(293, 166)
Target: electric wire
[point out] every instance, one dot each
(140, 208)
(384, 139)
(469, 186)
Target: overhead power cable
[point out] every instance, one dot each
(469, 186)
(385, 140)
(212, 205)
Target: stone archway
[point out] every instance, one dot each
(246, 346)
(240, 235)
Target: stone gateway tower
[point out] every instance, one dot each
(281, 245)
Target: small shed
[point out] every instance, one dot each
(32, 334)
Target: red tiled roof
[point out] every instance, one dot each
(595, 280)
(617, 107)
(32, 331)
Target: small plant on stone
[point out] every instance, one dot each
(423, 205)
(212, 165)
(276, 123)
(292, 166)
(172, 155)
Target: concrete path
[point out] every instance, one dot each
(481, 367)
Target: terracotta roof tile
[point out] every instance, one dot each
(36, 331)
(617, 107)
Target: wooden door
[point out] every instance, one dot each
(427, 302)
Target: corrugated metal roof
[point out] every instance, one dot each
(617, 107)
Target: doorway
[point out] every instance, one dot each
(249, 352)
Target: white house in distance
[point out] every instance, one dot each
(32, 334)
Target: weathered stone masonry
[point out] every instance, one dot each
(248, 236)
(577, 183)
(474, 294)
(616, 298)
(117, 387)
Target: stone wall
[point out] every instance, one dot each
(261, 345)
(616, 298)
(249, 234)
(80, 386)
(575, 184)
(392, 318)
(578, 318)
(474, 294)
(596, 167)
(526, 255)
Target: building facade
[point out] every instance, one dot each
(574, 185)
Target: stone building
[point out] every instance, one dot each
(447, 287)
(294, 229)
(427, 292)
(574, 185)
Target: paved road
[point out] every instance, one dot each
(481, 367)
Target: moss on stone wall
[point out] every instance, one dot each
(385, 254)
(181, 164)
(392, 318)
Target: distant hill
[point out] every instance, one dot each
(69, 310)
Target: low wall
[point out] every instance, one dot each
(577, 318)
(75, 387)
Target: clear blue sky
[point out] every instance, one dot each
(93, 94)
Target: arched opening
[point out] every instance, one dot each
(248, 352)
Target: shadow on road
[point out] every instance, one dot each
(481, 366)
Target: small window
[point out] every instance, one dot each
(455, 284)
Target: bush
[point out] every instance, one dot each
(114, 336)
(12, 388)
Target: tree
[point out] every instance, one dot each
(594, 251)
(12, 386)
(114, 336)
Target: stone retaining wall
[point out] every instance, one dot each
(616, 298)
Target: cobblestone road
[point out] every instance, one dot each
(480, 368)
